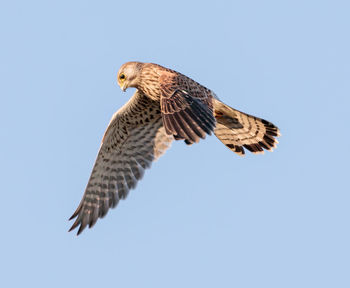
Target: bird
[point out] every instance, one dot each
(166, 106)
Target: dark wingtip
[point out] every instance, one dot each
(80, 230)
(71, 228)
(76, 214)
(76, 223)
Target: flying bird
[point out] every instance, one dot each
(166, 106)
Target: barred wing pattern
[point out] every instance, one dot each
(186, 117)
(186, 108)
(134, 138)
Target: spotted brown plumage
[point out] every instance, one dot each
(167, 105)
(134, 138)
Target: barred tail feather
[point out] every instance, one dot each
(240, 131)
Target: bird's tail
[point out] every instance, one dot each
(238, 130)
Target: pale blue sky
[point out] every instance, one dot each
(202, 216)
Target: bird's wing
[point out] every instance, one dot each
(185, 115)
(134, 138)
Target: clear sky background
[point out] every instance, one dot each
(202, 216)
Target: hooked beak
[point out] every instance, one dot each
(123, 87)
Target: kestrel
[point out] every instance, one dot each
(166, 106)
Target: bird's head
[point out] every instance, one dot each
(128, 75)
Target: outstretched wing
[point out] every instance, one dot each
(134, 138)
(186, 111)
(239, 131)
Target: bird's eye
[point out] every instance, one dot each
(122, 76)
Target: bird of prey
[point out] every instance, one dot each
(166, 106)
